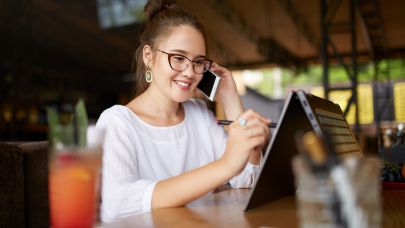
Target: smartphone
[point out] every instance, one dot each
(209, 84)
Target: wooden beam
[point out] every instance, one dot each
(267, 47)
(300, 23)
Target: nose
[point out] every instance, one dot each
(188, 72)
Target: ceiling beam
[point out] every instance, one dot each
(233, 18)
(364, 30)
(333, 7)
(221, 53)
(270, 49)
(372, 25)
(300, 23)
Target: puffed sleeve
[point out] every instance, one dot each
(123, 193)
(247, 177)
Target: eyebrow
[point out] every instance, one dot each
(185, 53)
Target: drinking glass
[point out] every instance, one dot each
(74, 181)
(320, 203)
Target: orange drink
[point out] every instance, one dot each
(73, 189)
(74, 168)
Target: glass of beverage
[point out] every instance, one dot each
(74, 182)
(322, 204)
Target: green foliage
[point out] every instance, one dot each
(387, 69)
(393, 69)
(71, 134)
(81, 123)
(266, 86)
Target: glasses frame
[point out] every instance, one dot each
(169, 55)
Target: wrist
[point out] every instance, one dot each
(230, 166)
(255, 156)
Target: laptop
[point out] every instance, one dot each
(302, 112)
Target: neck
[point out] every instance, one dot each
(156, 109)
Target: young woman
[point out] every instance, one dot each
(164, 148)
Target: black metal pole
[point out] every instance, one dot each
(354, 62)
(324, 48)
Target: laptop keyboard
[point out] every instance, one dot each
(342, 137)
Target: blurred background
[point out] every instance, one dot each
(350, 51)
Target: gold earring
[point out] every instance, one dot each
(148, 75)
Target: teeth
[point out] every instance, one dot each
(184, 84)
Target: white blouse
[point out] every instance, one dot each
(136, 155)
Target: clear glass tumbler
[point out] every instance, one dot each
(74, 182)
(320, 202)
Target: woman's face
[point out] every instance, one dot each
(178, 85)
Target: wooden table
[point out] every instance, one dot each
(225, 209)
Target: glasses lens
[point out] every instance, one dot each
(178, 62)
(200, 66)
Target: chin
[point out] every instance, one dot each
(182, 98)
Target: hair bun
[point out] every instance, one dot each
(153, 7)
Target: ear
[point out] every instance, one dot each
(147, 55)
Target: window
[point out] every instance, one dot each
(117, 13)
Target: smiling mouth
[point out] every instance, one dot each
(183, 84)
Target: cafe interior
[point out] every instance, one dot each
(350, 52)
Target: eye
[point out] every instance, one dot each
(178, 58)
(199, 62)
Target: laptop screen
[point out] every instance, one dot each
(331, 119)
(301, 113)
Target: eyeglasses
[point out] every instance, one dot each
(179, 63)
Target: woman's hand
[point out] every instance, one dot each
(227, 93)
(227, 87)
(245, 136)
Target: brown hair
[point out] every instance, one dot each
(163, 16)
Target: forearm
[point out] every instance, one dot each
(233, 107)
(182, 189)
